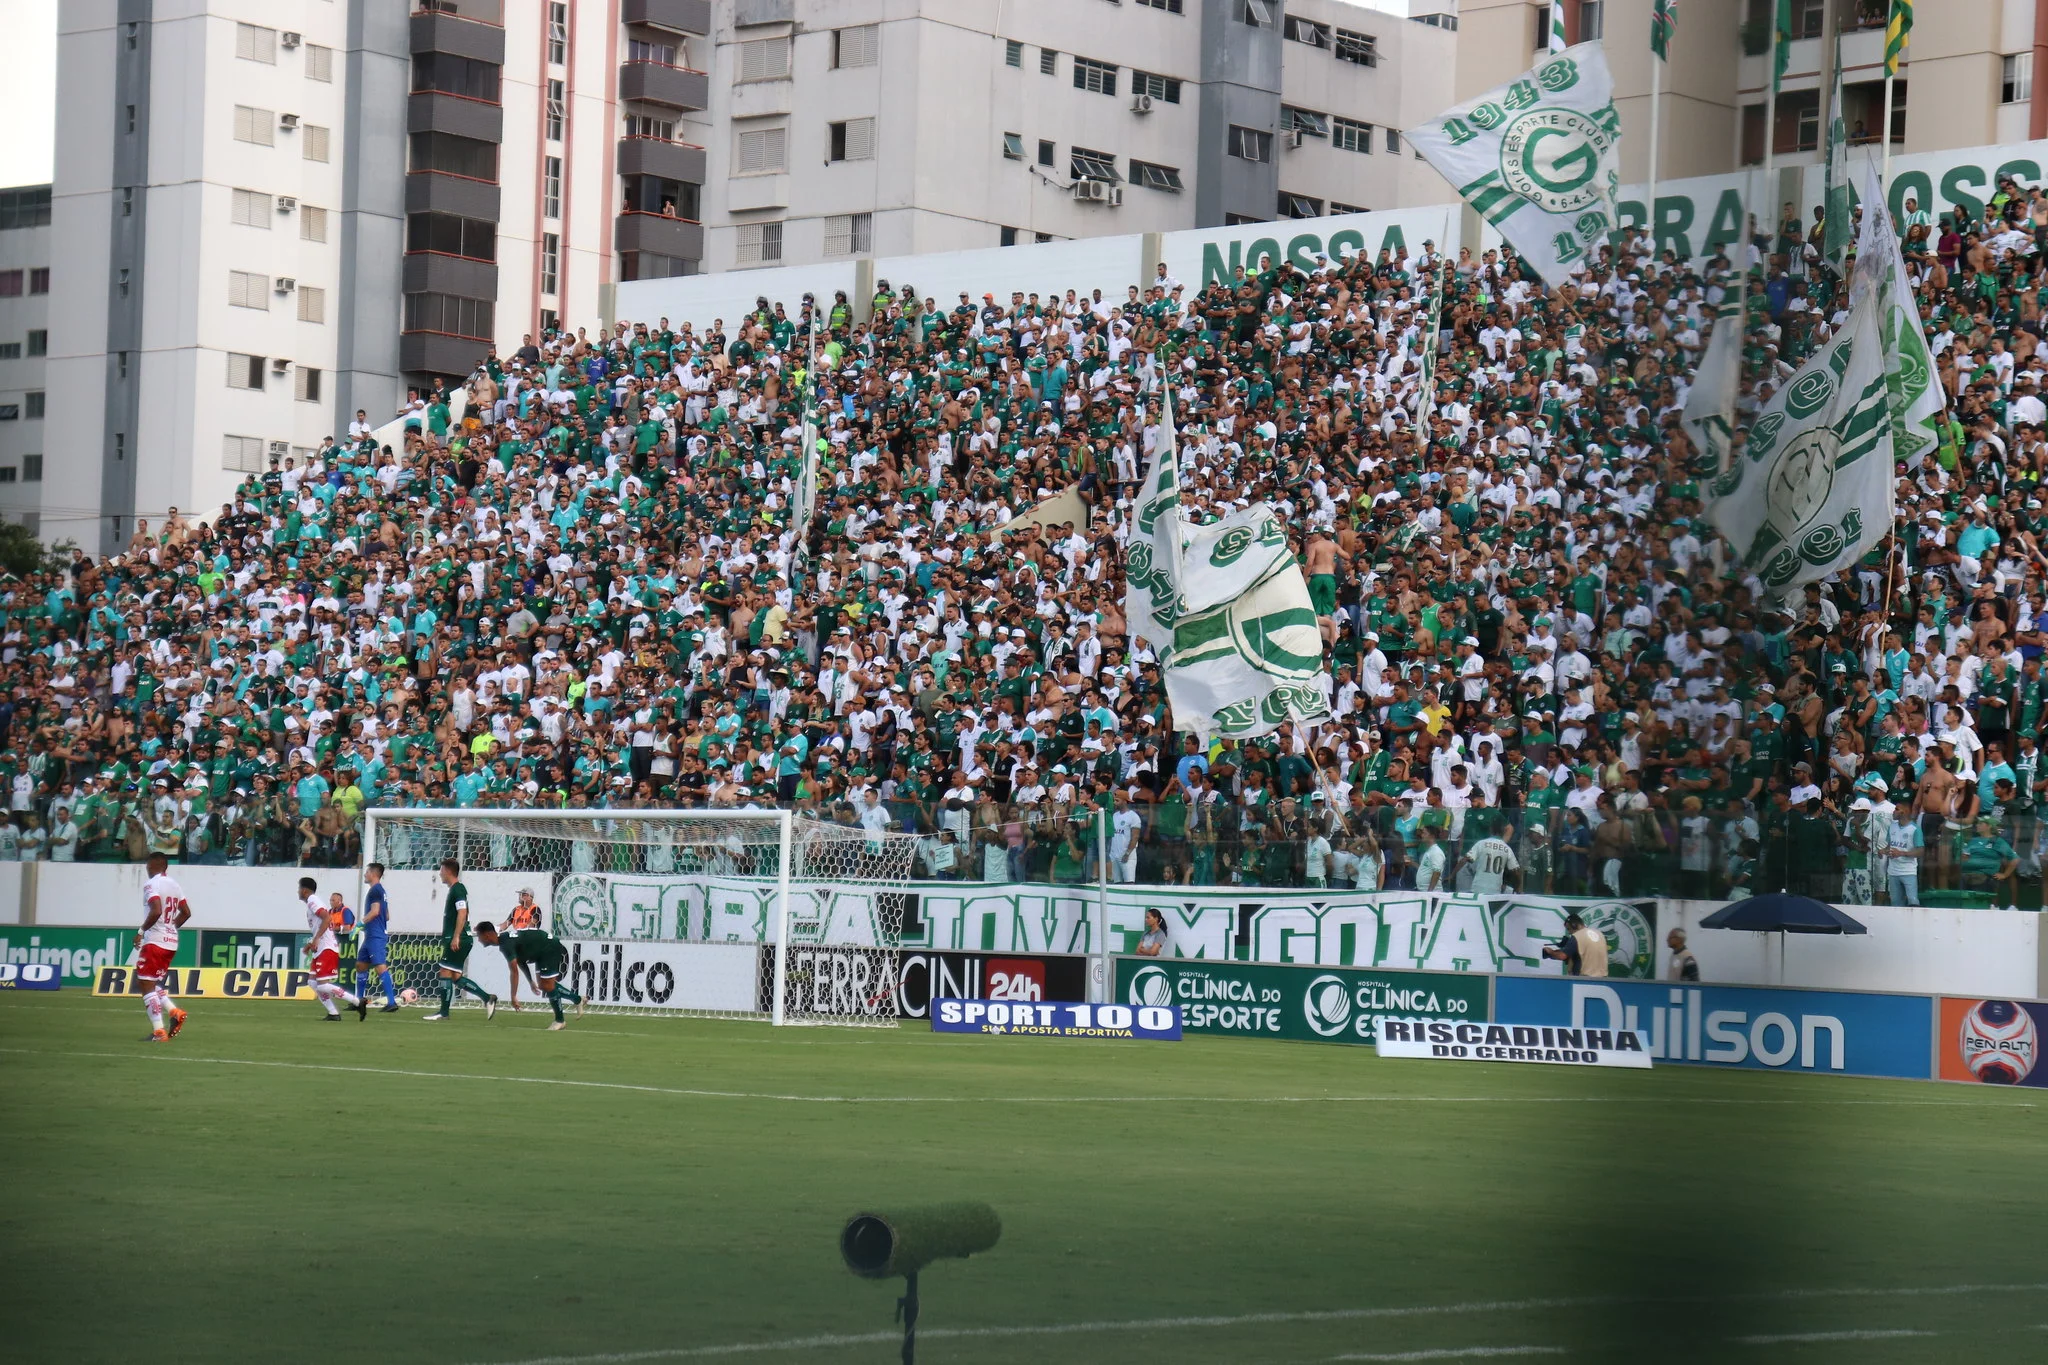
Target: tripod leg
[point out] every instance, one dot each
(906, 1308)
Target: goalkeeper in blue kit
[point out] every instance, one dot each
(536, 954)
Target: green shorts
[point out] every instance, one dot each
(1322, 592)
(458, 960)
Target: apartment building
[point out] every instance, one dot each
(24, 344)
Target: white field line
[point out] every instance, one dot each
(1456, 1353)
(159, 1056)
(812, 1343)
(1866, 1334)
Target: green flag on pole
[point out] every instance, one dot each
(1781, 43)
(1663, 19)
(1896, 31)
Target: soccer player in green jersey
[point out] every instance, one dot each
(538, 954)
(455, 945)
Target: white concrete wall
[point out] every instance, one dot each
(1954, 952)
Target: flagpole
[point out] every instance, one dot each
(1885, 130)
(1770, 131)
(1656, 103)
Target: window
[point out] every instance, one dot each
(558, 33)
(764, 59)
(449, 235)
(1047, 154)
(1352, 46)
(1299, 206)
(312, 303)
(643, 50)
(1306, 121)
(1257, 13)
(31, 469)
(1165, 89)
(1155, 177)
(39, 279)
(25, 208)
(127, 201)
(1083, 164)
(10, 350)
(306, 384)
(450, 75)
(7, 473)
(1306, 31)
(551, 188)
(1013, 53)
(759, 244)
(120, 445)
(850, 234)
(649, 265)
(550, 262)
(251, 125)
(32, 405)
(1350, 135)
(1048, 62)
(1013, 146)
(10, 283)
(558, 109)
(244, 454)
(1007, 237)
(254, 44)
(1393, 141)
(245, 371)
(2016, 78)
(646, 125)
(252, 209)
(1170, 6)
(248, 290)
(312, 223)
(1448, 22)
(1250, 143)
(760, 151)
(450, 315)
(853, 140)
(121, 281)
(1592, 20)
(653, 194)
(1337, 208)
(39, 341)
(121, 364)
(319, 62)
(131, 122)
(860, 46)
(463, 156)
(10, 412)
(314, 147)
(1100, 77)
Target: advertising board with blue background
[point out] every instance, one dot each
(1764, 1028)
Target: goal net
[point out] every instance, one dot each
(731, 914)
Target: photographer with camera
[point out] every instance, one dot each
(1583, 951)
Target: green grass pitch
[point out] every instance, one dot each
(268, 1188)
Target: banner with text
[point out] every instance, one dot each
(1250, 1000)
(1993, 1042)
(78, 954)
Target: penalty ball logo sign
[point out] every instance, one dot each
(1994, 1042)
(1442, 1040)
(1057, 1019)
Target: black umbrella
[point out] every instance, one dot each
(1780, 913)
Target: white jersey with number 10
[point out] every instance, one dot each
(164, 933)
(1491, 861)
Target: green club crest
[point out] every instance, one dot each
(1809, 393)
(1551, 157)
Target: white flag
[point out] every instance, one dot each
(1241, 669)
(1223, 559)
(1709, 415)
(1538, 158)
(1152, 556)
(1812, 488)
(1916, 396)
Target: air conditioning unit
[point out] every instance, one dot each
(286, 203)
(285, 284)
(291, 40)
(1295, 137)
(280, 449)
(1091, 191)
(1141, 103)
(287, 120)
(1116, 196)
(279, 365)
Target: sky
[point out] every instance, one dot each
(28, 91)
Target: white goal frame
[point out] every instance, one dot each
(785, 823)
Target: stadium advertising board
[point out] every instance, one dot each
(1444, 1041)
(1161, 1023)
(1993, 1042)
(675, 976)
(215, 983)
(1407, 930)
(250, 951)
(78, 954)
(1333, 1005)
(846, 981)
(30, 976)
(1763, 1028)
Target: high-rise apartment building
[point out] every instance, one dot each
(24, 342)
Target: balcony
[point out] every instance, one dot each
(458, 37)
(652, 156)
(660, 234)
(439, 353)
(674, 16)
(670, 87)
(431, 272)
(430, 111)
(436, 192)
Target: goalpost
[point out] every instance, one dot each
(712, 913)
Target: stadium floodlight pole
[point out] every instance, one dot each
(1105, 986)
(785, 830)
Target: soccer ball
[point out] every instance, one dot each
(1998, 1042)
(409, 996)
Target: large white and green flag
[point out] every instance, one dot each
(1241, 668)
(1708, 417)
(1152, 555)
(1916, 398)
(1811, 490)
(1539, 158)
